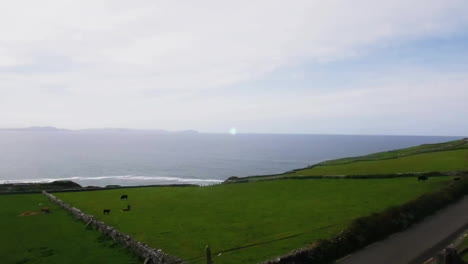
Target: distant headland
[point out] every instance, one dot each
(102, 130)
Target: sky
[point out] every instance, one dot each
(395, 67)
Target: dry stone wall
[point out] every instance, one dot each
(150, 255)
(447, 256)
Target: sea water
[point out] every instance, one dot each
(130, 158)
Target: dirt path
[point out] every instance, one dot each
(419, 243)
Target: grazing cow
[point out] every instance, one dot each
(456, 179)
(106, 211)
(126, 209)
(423, 178)
(124, 197)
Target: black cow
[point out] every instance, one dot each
(126, 209)
(106, 211)
(124, 197)
(456, 179)
(423, 178)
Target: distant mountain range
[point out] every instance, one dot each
(36, 129)
(96, 130)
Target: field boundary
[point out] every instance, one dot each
(143, 251)
(347, 177)
(86, 189)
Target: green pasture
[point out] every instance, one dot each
(399, 153)
(249, 222)
(453, 160)
(50, 238)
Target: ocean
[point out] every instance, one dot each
(145, 158)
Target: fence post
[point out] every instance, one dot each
(208, 255)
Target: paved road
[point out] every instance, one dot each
(419, 243)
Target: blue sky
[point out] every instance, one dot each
(447, 54)
(394, 67)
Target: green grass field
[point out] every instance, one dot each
(50, 238)
(399, 153)
(182, 220)
(453, 160)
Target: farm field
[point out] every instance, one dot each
(399, 153)
(248, 222)
(453, 160)
(50, 238)
(441, 161)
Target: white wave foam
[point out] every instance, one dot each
(117, 177)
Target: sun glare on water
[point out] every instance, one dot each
(233, 131)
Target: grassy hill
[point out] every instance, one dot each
(50, 238)
(442, 157)
(399, 153)
(453, 160)
(246, 223)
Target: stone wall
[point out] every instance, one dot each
(150, 255)
(447, 256)
(344, 177)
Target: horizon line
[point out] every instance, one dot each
(193, 131)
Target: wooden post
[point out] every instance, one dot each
(89, 222)
(208, 255)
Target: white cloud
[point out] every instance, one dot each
(134, 59)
